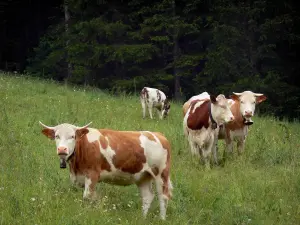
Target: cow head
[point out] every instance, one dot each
(65, 136)
(248, 101)
(220, 109)
(166, 108)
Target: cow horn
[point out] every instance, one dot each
(258, 94)
(85, 126)
(46, 126)
(237, 94)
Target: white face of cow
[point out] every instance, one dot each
(248, 101)
(220, 109)
(65, 139)
(65, 136)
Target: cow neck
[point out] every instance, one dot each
(73, 153)
(71, 156)
(214, 124)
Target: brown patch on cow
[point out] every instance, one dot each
(129, 155)
(88, 158)
(155, 171)
(234, 97)
(158, 95)
(103, 142)
(149, 136)
(200, 117)
(144, 93)
(49, 133)
(81, 132)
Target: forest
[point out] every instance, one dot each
(182, 47)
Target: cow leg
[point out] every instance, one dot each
(89, 188)
(215, 149)
(144, 108)
(159, 113)
(163, 199)
(229, 147)
(150, 108)
(241, 145)
(205, 153)
(193, 146)
(147, 194)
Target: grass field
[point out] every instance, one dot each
(260, 187)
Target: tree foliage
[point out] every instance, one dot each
(218, 46)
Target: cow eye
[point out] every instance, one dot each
(72, 136)
(242, 102)
(57, 136)
(254, 102)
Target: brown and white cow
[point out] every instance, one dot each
(115, 157)
(243, 108)
(154, 98)
(201, 125)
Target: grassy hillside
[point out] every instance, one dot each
(261, 187)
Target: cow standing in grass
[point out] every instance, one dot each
(243, 108)
(201, 125)
(116, 157)
(154, 98)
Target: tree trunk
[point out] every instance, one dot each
(176, 52)
(67, 21)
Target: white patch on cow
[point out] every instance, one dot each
(108, 154)
(202, 96)
(93, 135)
(197, 105)
(87, 191)
(154, 151)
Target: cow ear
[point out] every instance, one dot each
(260, 99)
(213, 99)
(81, 132)
(234, 97)
(49, 133)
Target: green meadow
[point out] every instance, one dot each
(260, 187)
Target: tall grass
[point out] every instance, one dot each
(260, 187)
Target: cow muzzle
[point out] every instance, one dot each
(63, 163)
(62, 152)
(248, 114)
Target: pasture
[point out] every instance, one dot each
(260, 187)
